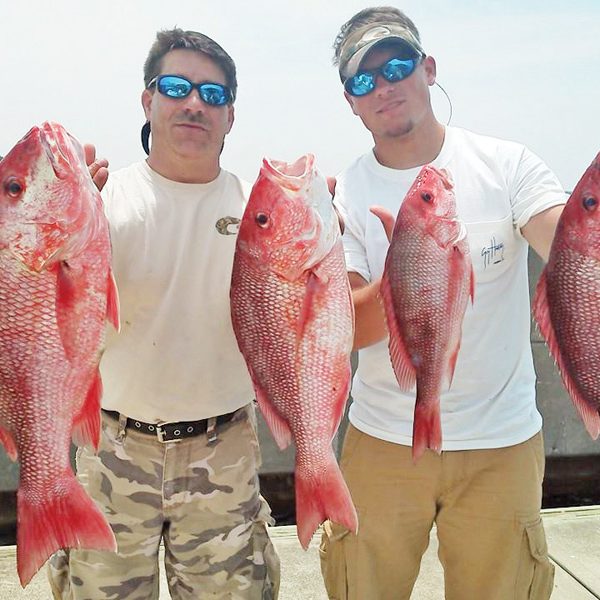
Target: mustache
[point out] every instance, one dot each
(192, 118)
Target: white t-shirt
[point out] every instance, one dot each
(176, 357)
(499, 186)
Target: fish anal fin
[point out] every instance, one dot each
(403, 368)
(276, 423)
(7, 440)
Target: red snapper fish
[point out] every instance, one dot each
(427, 281)
(566, 304)
(292, 314)
(56, 292)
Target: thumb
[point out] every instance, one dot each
(387, 219)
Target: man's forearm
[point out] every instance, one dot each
(370, 317)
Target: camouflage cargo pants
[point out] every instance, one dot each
(201, 500)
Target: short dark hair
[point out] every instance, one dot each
(173, 39)
(376, 14)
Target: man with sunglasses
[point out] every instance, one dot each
(483, 490)
(178, 458)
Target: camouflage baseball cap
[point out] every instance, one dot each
(359, 42)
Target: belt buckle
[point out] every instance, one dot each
(161, 434)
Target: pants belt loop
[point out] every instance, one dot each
(211, 430)
(121, 432)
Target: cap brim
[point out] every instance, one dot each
(353, 65)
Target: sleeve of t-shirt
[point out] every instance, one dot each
(354, 233)
(533, 188)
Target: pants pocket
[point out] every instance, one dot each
(333, 561)
(265, 556)
(536, 574)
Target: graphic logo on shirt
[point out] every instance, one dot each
(228, 225)
(492, 254)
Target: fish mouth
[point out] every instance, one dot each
(291, 176)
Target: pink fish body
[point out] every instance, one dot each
(292, 314)
(566, 305)
(56, 292)
(427, 281)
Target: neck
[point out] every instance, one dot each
(415, 148)
(185, 170)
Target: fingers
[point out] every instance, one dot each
(331, 181)
(387, 219)
(98, 168)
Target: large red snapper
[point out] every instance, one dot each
(292, 314)
(566, 305)
(56, 292)
(427, 280)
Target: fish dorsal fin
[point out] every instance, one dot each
(403, 368)
(541, 311)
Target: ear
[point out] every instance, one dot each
(430, 69)
(147, 96)
(350, 100)
(230, 117)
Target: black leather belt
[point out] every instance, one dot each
(168, 432)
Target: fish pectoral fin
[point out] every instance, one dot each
(112, 302)
(69, 292)
(86, 425)
(277, 424)
(403, 368)
(316, 284)
(541, 312)
(7, 440)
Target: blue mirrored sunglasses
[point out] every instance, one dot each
(176, 86)
(395, 69)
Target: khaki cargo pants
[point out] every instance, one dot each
(486, 506)
(201, 500)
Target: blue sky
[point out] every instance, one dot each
(527, 71)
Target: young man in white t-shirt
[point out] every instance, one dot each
(483, 491)
(178, 458)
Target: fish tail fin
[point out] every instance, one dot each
(427, 429)
(69, 519)
(321, 497)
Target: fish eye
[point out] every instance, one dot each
(589, 202)
(13, 187)
(426, 196)
(262, 219)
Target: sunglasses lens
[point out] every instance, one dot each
(214, 94)
(361, 84)
(174, 87)
(397, 69)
